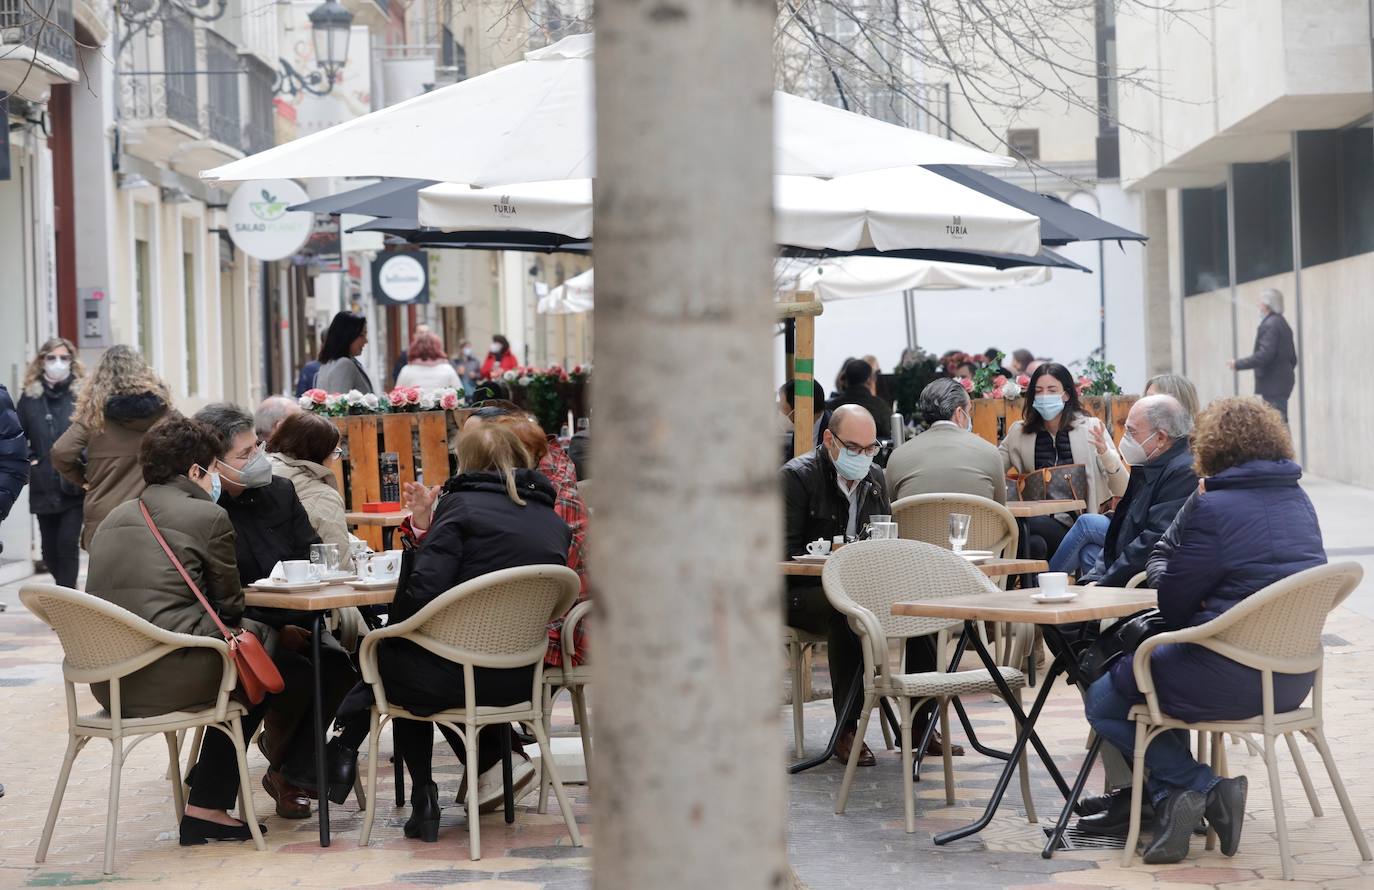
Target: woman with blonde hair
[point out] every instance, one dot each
(1179, 387)
(497, 513)
(99, 451)
(46, 402)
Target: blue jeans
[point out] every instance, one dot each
(1081, 547)
(1170, 762)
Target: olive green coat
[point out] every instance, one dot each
(129, 568)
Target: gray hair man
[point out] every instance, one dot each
(271, 412)
(947, 457)
(1275, 356)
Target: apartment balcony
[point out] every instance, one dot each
(37, 49)
(375, 14)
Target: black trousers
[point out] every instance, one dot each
(214, 780)
(61, 533)
(807, 609)
(1279, 405)
(1043, 534)
(290, 717)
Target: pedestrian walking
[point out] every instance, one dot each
(1274, 357)
(468, 366)
(51, 385)
(340, 370)
(98, 453)
(428, 366)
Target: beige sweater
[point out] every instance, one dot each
(315, 487)
(1107, 475)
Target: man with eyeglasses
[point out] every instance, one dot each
(828, 492)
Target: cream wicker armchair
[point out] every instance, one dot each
(863, 581)
(1275, 630)
(575, 680)
(499, 620)
(102, 642)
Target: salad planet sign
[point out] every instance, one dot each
(260, 224)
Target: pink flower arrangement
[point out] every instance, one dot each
(318, 396)
(966, 383)
(1023, 380)
(397, 398)
(449, 400)
(412, 395)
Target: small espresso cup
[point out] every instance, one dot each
(818, 547)
(299, 571)
(1054, 583)
(382, 567)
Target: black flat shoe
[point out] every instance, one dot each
(1116, 817)
(424, 813)
(1226, 811)
(1174, 824)
(1093, 804)
(200, 831)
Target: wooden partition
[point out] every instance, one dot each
(993, 417)
(421, 440)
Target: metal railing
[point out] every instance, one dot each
(259, 132)
(222, 110)
(48, 24)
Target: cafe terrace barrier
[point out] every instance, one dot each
(993, 417)
(420, 440)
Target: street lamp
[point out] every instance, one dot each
(331, 25)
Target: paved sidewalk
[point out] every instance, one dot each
(865, 847)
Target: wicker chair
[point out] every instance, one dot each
(863, 581)
(103, 643)
(1275, 630)
(499, 620)
(575, 680)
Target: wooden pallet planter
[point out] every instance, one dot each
(993, 417)
(421, 440)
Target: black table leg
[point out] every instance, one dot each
(1072, 803)
(855, 690)
(321, 768)
(388, 535)
(1025, 736)
(400, 774)
(507, 775)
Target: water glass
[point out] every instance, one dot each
(958, 531)
(327, 557)
(884, 531)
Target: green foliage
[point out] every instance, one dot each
(912, 378)
(1101, 377)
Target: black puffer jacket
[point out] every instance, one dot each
(813, 506)
(271, 525)
(45, 409)
(14, 466)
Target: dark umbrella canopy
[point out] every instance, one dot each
(390, 197)
(1060, 223)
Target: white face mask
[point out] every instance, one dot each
(1134, 451)
(57, 369)
(496, 348)
(467, 352)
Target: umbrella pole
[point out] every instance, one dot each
(804, 372)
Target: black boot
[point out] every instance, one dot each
(1226, 811)
(1116, 817)
(1092, 804)
(342, 767)
(1174, 824)
(424, 813)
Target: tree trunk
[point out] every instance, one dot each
(689, 790)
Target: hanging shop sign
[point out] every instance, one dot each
(322, 250)
(260, 224)
(401, 278)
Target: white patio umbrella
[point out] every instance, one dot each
(534, 120)
(894, 209)
(572, 297)
(863, 277)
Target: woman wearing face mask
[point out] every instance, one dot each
(1056, 431)
(98, 453)
(45, 409)
(499, 359)
(129, 568)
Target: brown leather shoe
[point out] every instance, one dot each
(292, 802)
(936, 748)
(846, 744)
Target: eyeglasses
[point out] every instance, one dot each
(337, 452)
(859, 450)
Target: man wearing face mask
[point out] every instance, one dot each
(947, 457)
(271, 525)
(827, 492)
(468, 367)
(1162, 477)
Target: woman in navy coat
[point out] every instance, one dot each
(1247, 526)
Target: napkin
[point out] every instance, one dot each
(278, 573)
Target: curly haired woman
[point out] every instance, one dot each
(99, 451)
(1247, 526)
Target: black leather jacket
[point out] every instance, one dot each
(814, 507)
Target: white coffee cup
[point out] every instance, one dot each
(299, 571)
(1054, 583)
(383, 566)
(818, 547)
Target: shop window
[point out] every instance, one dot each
(1205, 266)
(1264, 220)
(1336, 191)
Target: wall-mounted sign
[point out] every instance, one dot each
(401, 278)
(261, 225)
(322, 250)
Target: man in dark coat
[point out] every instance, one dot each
(14, 454)
(831, 492)
(271, 525)
(1274, 357)
(859, 389)
(1162, 478)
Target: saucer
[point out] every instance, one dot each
(812, 557)
(1066, 597)
(977, 556)
(337, 577)
(270, 585)
(373, 584)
